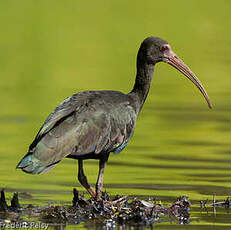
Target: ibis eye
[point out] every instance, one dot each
(164, 47)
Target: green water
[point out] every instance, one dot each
(52, 49)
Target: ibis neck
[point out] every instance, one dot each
(142, 83)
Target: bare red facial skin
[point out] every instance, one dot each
(165, 47)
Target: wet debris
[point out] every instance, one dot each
(107, 213)
(206, 205)
(225, 203)
(120, 210)
(180, 209)
(3, 204)
(14, 203)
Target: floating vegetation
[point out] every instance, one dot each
(108, 212)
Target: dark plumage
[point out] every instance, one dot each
(92, 124)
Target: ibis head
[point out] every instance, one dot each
(154, 50)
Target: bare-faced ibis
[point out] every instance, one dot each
(92, 124)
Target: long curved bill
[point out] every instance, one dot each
(177, 63)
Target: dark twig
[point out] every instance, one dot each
(3, 204)
(15, 202)
(75, 197)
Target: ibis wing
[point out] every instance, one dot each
(90, 131)
(61, 112)
(86, 123)
(68, 106)
(104, 131)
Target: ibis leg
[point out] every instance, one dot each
(99, 183)
(83, 180)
